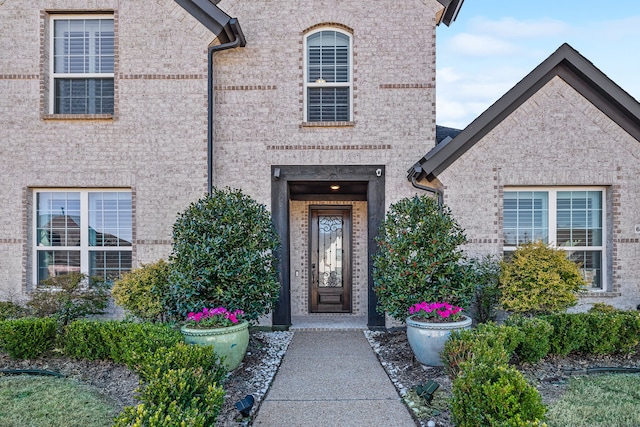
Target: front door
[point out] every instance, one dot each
(330, 259)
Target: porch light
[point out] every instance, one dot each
(334, 187)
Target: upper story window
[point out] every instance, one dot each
(82, 64)
(83, 231)
(571, 219)
(328, 76)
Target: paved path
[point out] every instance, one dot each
(331, 378)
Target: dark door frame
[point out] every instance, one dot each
(281, 177)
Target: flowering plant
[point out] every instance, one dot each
(436, 312)
(214, 318)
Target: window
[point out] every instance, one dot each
(568, 219)
(328, 88)
(82, 64)
(83, 231)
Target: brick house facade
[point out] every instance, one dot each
(105, 127)
(115, 119)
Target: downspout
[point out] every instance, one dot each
(237, 41)
(417, 171)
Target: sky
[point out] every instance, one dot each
(493, 44)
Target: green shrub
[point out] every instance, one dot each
(163, 415)
(176, 397)
(487, 292)
(602, 333)
(488, 344)
(27, 338)
(84, 339)
(68, 297)
(494, 395)
(10, 310)
(127, 339)
(535, 343)
(570, 332)
(419, 258)
(629, 332)
(538, 279)
(223, 255)
(178, 356)
(141, 290)
(116, 340)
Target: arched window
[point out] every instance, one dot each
(327, 80)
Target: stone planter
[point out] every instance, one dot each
(230, 342)
(427, 339)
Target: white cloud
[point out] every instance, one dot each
(465, 92)
(508, 27)
(481, 45)
(449, 75)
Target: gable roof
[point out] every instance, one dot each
(566, 63)
(443, 132)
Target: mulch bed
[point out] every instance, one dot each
(550, 376)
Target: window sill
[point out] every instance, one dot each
(327, 124)
(600, 294)
(77, 117)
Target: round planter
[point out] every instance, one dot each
(427, 339)
(230, 342)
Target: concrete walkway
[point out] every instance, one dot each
(331, 378)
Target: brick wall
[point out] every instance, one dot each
(155, 144)
(259, 92)
(556, 138)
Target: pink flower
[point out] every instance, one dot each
(436, 310)
(214, 318)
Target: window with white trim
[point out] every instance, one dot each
(82, 64)
(328, 85)
(82, 231)
(571, 219)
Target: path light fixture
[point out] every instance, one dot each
(426, 390)
(245, 405)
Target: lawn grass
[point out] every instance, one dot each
(598, 401)
(38, 401)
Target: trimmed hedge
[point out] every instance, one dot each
(595, 332)
(488, 344)
(487, 392)
(115, 340)
(536, 335)
(29, 337)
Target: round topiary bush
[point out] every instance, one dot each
(223, 255)
(538, 279)
(419, 258)
(141, 290)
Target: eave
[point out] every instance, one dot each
(225, 28)
(570, 66)
(450, 12)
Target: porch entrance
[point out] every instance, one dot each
(294, 190)
(330, 259)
